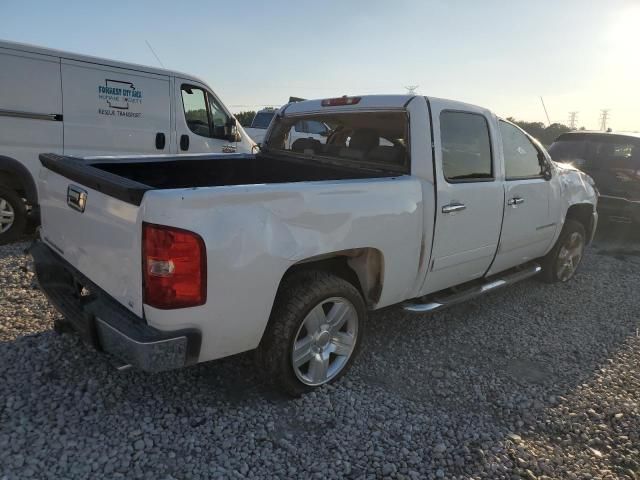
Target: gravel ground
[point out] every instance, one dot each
(534, 381)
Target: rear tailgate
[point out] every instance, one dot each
(93, 220)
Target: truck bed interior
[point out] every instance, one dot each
(231, 170)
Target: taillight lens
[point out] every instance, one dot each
(174, 267)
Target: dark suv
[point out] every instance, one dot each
(613, 161)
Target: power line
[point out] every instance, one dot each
(573, 120)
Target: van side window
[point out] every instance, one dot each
(466, 147)
(521, 157)
(203, 113)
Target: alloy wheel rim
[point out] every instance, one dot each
(569, 256)
(325, 341)
(7, 215)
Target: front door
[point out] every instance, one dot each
(202, 125)
(529, 223)
(470, 197)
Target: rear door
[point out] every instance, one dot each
(531, 203)
(470, 196)
(114, 111)
(614, 164)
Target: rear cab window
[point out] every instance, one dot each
(466, 147)
(375, 139)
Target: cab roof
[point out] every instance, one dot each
(365, 102)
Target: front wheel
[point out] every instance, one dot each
(562, 261)
(314, 333)
(13, 215)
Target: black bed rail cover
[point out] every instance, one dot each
(81, 171)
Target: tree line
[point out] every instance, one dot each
(545, 134)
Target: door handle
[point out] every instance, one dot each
(160, 141)
(453, 208)
(184, 142)
(515, 201)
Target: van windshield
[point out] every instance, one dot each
(378, 139)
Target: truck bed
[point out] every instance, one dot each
(128, 178)
(94, 212)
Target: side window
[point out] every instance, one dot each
(466, 146)
(614, 153)
(521, 157)
(315, 127)
(312, 127)
(196, 112)
(203, 114)
(300, 127)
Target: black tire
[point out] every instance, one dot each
(297, 296)
(550, 263)
(19, 215)
(61, 326)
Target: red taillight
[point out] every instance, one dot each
(174, 263)
(336, 102)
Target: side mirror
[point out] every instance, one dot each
(231, 128)
(545, 166)
(547, 172)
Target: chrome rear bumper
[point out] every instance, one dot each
(105, 324)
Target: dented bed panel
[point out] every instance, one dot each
(253, 234)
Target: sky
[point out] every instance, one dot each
(501, 54)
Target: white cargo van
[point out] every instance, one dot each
(53, 101)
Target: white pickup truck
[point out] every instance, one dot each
(302, 129)
(165, 261)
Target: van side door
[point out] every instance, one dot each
(531, 201)
(202, 124)
(470, 195)
(114, 111)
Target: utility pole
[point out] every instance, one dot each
(573, 120)
(604, 117)
(411, 89)
(545, 111)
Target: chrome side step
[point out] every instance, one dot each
(438, 301)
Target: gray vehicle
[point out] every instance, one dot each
(613, 161)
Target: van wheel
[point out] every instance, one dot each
(13, 215)
(315, 331)
(562, 261)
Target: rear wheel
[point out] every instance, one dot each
(314, 333)
(13, 215)
(562, 261)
